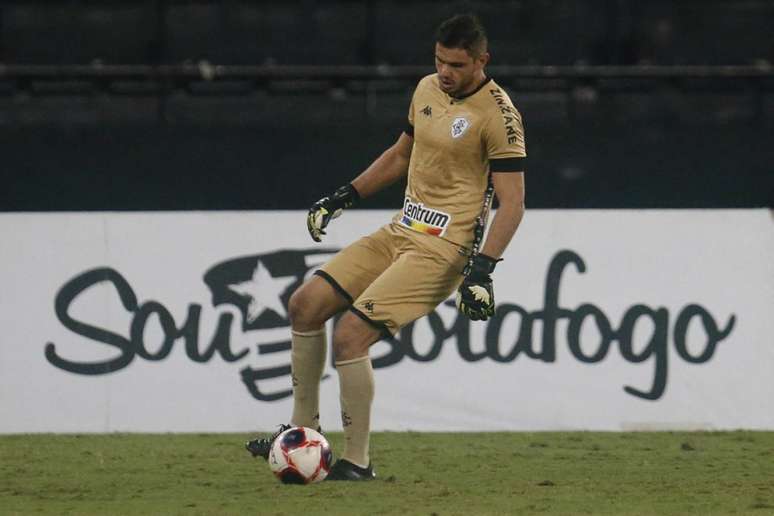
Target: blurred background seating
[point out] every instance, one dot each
(120, 104)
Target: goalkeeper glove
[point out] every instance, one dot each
(328, 208)
(475, 296)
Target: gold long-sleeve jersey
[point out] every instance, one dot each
(458, 141)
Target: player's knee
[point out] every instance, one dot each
(303, 316)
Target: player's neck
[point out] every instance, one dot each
(474, 87)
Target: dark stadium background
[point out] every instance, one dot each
(165, 105)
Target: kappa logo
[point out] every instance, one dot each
(459, 126)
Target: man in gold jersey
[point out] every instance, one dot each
(464, 140)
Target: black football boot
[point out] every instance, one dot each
(345, 470)
(261, 446)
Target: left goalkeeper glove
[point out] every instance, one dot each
(475, 296)
(328, 208)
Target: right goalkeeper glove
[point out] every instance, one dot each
(475, 296)
(328, 208)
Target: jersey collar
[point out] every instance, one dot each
(462, 97)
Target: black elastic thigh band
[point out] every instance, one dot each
(335, 284)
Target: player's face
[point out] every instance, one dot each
(458, 71)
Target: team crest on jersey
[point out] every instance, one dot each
(459, 126)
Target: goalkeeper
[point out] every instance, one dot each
(464, 141)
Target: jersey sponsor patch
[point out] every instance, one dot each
(459, 126)
(420, 218)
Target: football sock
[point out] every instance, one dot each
(307, 361)
(356, 384)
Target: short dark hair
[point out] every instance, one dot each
(463, 31)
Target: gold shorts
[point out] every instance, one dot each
(395, 275)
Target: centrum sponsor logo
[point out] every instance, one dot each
(423, 219)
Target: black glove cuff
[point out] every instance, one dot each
(480, 266)
(346, 196)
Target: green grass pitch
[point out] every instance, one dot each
(418, 473)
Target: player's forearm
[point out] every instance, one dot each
(504, 225)
(384, 171)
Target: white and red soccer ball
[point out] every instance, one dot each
(300, 455)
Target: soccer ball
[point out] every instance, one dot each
(300, 455)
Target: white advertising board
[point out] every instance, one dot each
(167, 322)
